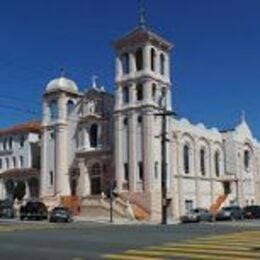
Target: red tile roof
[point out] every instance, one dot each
(32, 127)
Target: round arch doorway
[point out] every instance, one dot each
(95, 179)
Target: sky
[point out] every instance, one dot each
(215, 64)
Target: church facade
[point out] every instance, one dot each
(92, 138)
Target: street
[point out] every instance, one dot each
(90, 240)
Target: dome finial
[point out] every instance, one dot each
(141, 13)
(62, 72)
(94, 81)
(243, 116)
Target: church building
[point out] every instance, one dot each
(92, 139)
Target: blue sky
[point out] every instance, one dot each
(215, 63)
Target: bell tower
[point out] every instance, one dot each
(143, 87)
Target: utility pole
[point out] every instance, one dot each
(164, 114)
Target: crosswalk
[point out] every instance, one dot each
(241, 245)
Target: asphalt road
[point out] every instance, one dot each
(78, 241)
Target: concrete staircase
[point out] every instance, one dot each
(217, 204)
(100, 207)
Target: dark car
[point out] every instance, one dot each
(6, 209)
(230, 213)
(60, 214)
(197, 215)
(34, 210)
(252, 211)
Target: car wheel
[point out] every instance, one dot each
(21, 218)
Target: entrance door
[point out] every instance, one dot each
(95, 176)
(227, 187)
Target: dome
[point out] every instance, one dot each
(62, 83)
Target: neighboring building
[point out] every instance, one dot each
(89, 139)
(20, 161)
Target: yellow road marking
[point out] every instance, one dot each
(126, 257)
(242, 245)
(236, 252)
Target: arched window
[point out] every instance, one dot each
(162, 64)
(14, 162)
(246, 159)
(139, 59)
(202, 162)
(10, 143)
(139, 92)
(126, 95)
(125, 63)
(53, 110)
(153, 56)
(217, 164)
(125, 122)
(7, 163)
(51, 178)
(22, 140)
(154, 91)
(21, 162)
(4, 144)
(70, 106)
(94, 135)
(186, 159)
(139, 119)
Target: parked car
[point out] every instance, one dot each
(33, 210)
(197, 215)
(6, 209)
(252, 211)
(60, 214)
(230, 213)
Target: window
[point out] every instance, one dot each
(10, 143)
(154, 91)
(246, 159)
(1, 164)
(51, 178)
(156, 164)
(153, 56)
(4, 144)
(126, 95)
(139, 93)
(217, 168)
(21, 162)
(139, 119)
(140, 171)
(125, 63)
(7, 163)
(162, 64)
(186, 159)
(202, 162)
(126, 172)
(188, 205)
(125, 122)
(94, 135)
(14, 162)
(22, 140)
(53, 110)
(70, 106)
(139, 59)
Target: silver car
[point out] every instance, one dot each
(197, 215)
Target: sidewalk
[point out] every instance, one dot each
(119, 221)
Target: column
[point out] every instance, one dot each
(27, 195)
(132, 63)
(46, 112)
(118, 68)
(180, 174)
(147, 58)
(62, 175)
(118, 152)
(196, 162)
(147, 88)
(43, 173)
(83, 183)
(148, 162)
(212, 171)
(132, 152)
(167, 67)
